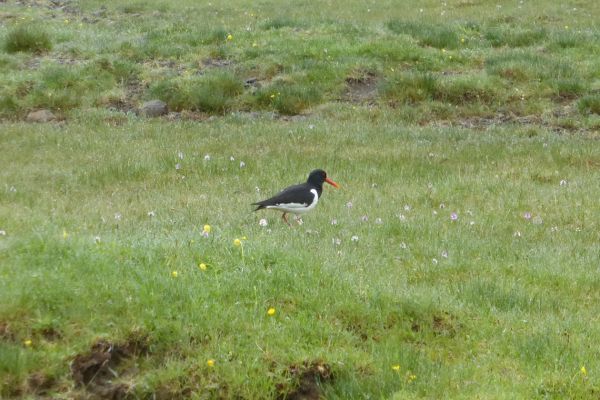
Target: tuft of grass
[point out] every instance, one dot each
(414, 87)
(8, 105)
(567, 40)
(465, 90)
(518, 66)
(27, 38)
(409, 87)
(289, 98)
(434, 35)
(122, 70)
(545, 75)
(589, 104)
(173, 41)
(569, 88)
(391, 50)
(279, 23)
(133, 7)
(213, 93)
(511, 36)
(216, 92)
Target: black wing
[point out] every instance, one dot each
(299, 194)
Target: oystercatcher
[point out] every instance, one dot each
(298, 199)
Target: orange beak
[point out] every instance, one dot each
(332, 183)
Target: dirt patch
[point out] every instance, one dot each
(96, 370)
(6, 334)
(7, 15)
(590, 164)
(560, 120)
(361, 88)
(40, 383)
(358, 330)
(134, 91)
(499, 119)
(50, 333)
(415, 327)
(216, 63)
(444, 325)
(306, 380)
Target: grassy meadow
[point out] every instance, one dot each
(459, 259)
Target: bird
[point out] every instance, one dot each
(298, 199)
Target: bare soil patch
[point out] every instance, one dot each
(97, 370)
(6, 334)
(40, 383)
(445, 325)
(361, 88)
(307, 379)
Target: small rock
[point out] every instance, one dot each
(100, 13)
(251, 82)
(154, 108)
(41, 116)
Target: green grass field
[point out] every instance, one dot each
(459, 259)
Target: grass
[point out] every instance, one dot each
(457, 260)
(434, 35)
(590, 104)
(212, 93)
(27, 38)
(526, 68)
(416, 289)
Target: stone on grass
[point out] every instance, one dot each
(41, 116)
(154, 108)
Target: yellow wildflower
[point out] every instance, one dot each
(411, 377)
(27, 342)
(396, 367)
(230, 37)
(202, 266)
(271, 311)
(65, 234)
(237, 242)
(210, 362)
(583, 370)
(206, 228)
(254, 44)
(174, 274)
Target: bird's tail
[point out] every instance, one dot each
(260, 206)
